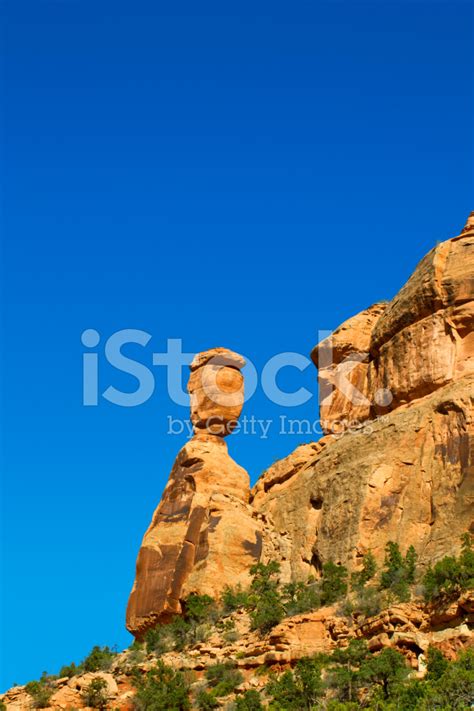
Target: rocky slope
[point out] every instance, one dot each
(409, 628)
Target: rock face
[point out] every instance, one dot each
(406, 477)
(394, 353)
(204, 534)
(396, 462)
(397, 386)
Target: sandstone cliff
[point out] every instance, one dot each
(396, 463)
(203, 533)
(397, 387)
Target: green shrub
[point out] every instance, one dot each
(99, 659)
(345, 669)
(334, 583)
(265, 604)
(368, 601)
(264, 577)
(267, 613)
(398, 573)
(3, 707)
(407, 696)
(467, 561)
(386, 669)
(95, 694)
(369, 568)
(346, 608)
(410, 565)
(394, 568)
(301, 597)
(206, 701)
(136, 654)
(180, 631)
(40, 691)
(298, 689)
(454, 689)
(223, 678)
(451, 575)
(200, 608)
(249, 701)
(436, 664)
(199, 615)
(284, 692)
(158, 640)
(230, 634)
(164, 638)
(234, 599)
(162, 689)
(70, 670)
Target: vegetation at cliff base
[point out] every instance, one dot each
(298, 689)
(268, 601)
(348, 678)
(398, 572)
(249, 701)
(41, 691)
(95, 695)
(344, 669)
(162, 689)
(99, 659)
(223, 678)
(265, 602)
(451, 574)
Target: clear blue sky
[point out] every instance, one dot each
(229, 174)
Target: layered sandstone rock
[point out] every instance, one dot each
(216, 389)
(342, 360)
(406, 477)
(401, 375)
(203, 534)
(394, 353)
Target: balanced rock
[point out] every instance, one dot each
(216, 389)
(203, 535)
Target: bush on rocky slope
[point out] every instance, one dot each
(95, 695)
(162, 689)
(451, 574)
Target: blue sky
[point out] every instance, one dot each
(240, 175)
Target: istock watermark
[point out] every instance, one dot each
(282, 425)
(174, 359)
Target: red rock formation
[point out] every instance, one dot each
(406, 471)
(403, 373)
(424, 339)
(203, 535)
(398, 352)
